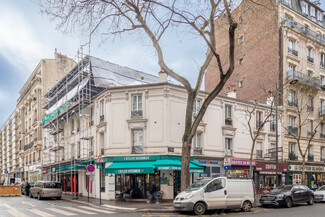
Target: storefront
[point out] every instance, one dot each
(138, 172)
(237, 168)
(213, 168)
(265, 175)
(315, 175)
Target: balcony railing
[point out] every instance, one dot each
(322, 110)
(136, 113)
(292, 103)
(228, 121)
(304, 30)
(101, 118)
(310, 59)
(310, 108)
(293, 130)
(310, 158)
(293, 51)
(137, 149)
(298, 76)
(293, 156)
(197, 150)
(259, 154)
(228, 152)
(29, 146)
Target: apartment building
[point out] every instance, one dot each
(9, 151)
(139, 135)
(30, 111)
(280, 47)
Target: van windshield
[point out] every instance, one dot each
(197, 185)
(52, 185)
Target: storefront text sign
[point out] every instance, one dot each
(227, 161)
(208, 162)
(270, 167)
(239, 162)
(307, 168)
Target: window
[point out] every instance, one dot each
(72, 151)
(259, 150)
(102, 179)
(310, 54)
(240, 40)
(292, 44)
(259, 118)
(215, 185)
(292, 98)
(78, 125)
(304, 8)
(310, 150)
(319, 16)
(313, 13)
(102, 143)
(292, 71)
(228, 146)
(322, 60)
(102, 107)
(322, 130)
(240, 61)
(272, 123)
(228, 116)
(196, 107)
(197, 140)
(292, 148)
(292, 121)
(136, 106)
(137, 141)
(310, 103)
(79, 150)
(72, 126)
(322, 153)
(309, 128)
(241, 83)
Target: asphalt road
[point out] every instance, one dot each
(26, 207)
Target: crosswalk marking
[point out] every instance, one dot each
(118, 207)
(61, 211)
(40, 213)
(96, 210)
(15, 212)
(79, 210)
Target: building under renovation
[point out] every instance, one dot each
(68, 125)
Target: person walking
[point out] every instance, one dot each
(153, 193)
(27, 187)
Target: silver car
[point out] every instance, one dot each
(320, 194)
(46, 189)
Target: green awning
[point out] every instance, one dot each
(195, 167)
(130, 167)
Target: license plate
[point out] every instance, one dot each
(177, 204)
(267, 201)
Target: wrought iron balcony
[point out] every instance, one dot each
(293, 51)
(259, 154)
(136, 113)
(137, 149)
(310, 59)
(310, 158)
(101, 118)
(293, 156)
(197, 150)
(293, 130)
(322, 135)
(292, 103)
(295, 77)
(228, 121)
(310, 108)
(29, 146)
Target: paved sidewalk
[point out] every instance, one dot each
(138, 206)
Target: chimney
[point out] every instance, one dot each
(317, 3)
(163, 77)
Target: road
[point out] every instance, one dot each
(26, 207)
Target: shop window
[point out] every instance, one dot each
(137, 110)
(215, 169)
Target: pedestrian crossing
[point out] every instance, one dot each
(54, 211)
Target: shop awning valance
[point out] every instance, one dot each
(130, 167)
(195, 167)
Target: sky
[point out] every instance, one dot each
(27, 36)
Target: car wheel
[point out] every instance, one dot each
(311, 201)
(288, 202)
(247, 206)
(199, 208)
(30, 195)
(39, 197)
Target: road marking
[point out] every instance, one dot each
(97, 210)
(81, 211)
(118, 207)
(28, 203)
(41, 213)
(14, 212)
(61, 211)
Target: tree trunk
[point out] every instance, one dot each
(251, 161)
(185, 166)
(303, 171)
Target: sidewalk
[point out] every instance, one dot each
(129, 206)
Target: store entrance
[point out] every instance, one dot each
(177, 182)
(137, 181)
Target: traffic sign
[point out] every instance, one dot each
(90, 168)
(227, 167)
(100, 160)
(6, 171)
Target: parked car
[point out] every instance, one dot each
(217, 193)
(25, 190)
(43, 189)
(288, 195)
(320, 194)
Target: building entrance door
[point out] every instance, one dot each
(177, 182)
(138, 185)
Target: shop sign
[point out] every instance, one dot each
(307, 168)
(270, 167)
(240, 162)
(227, 161)
(44, 171)
(208, 162)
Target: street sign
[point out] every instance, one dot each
(90, 168)
(89, 174)
(227, 167)
(6, 171)
(272, 150)
(100, 160)
(227, 161)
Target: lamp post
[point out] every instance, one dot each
(276, 139)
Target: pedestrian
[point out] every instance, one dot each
(27, 187)
(153, 193)
(125, 193)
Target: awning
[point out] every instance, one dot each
(130, 167)
(195, 167)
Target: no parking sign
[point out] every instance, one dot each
(90, 168)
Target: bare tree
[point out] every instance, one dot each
(302, 117)
(256, 128)
(154, 19)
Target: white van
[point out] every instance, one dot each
(217, 193)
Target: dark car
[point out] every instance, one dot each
(24, 188)
(288, 195)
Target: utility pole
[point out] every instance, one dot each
(100, 184)
(276, 138)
